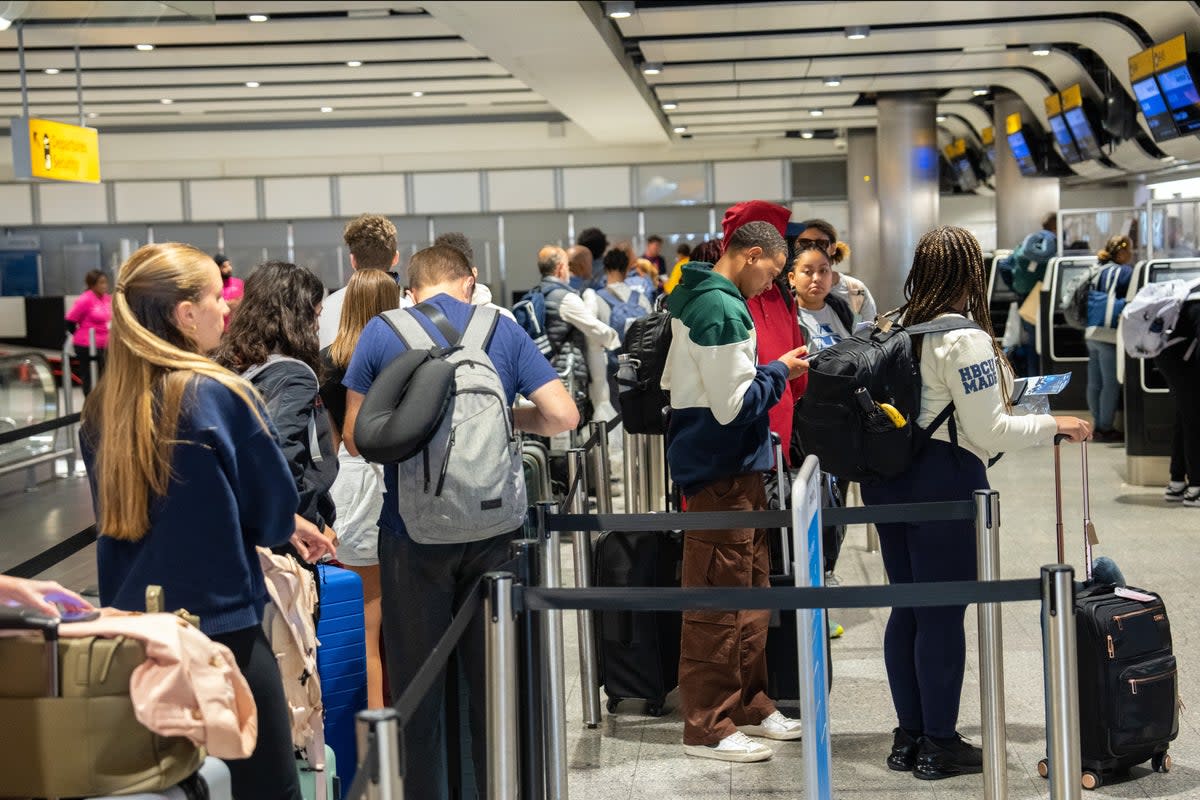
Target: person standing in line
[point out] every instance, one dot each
(964, 370)
(482, 295)
(187, 480)
(1180, 365)
(718, 447)
(1111, 280)
(825, 317)
(90, 316)
(683, 254)
(596, 243)
(371, 240)
(232, 288)
(653, 253)
(357, 491)
(850, 289)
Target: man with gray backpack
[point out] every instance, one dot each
(451, 509)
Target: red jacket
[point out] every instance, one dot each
(778, 332)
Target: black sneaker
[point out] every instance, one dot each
(904, 751)
(946, 758)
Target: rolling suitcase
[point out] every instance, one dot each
(1128, 681)
(341, 662)
(535, 461)
(211, 782)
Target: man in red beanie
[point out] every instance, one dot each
(774, 317)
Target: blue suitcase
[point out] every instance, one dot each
(342, 662)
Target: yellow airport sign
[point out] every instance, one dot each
(988, 135)
(1072, 97)
(1169, 53)
(55, 151)
(1141, 65)
(1012, 123)
(1053, 105)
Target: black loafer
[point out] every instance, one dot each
(946, 758)
(904, 751)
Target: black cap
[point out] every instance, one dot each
(220, 258)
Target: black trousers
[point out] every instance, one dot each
(423, 585)
(1183, 378)
(270, 772)
(85, 367)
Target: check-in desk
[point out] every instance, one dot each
(1061, 347)
(1149, 406)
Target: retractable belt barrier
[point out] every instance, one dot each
(54, 554)
(17, 435)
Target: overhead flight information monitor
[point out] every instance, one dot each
(1019, 146)
(988, 135)
(1078, 122)
(1062, 134)
(1150, 98)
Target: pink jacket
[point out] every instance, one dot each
(91, 311)
(188, 686)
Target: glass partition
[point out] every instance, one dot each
(1174, 228)
(27, 396)
(1160, 270)
(1084, 231)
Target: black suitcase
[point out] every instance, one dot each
(1128, 680)
(638, 650)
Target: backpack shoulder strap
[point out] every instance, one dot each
(608, 297)
(942, 325)
(435, 315)
(480, 329)
(408, 329)
(271, 361)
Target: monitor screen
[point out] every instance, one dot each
(1182, 98)
(1082, 129)
(1154, 108)
(1020, 151)
(966, 174)
(990, 152)
(1065, 143)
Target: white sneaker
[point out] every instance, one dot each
(776, 726)
(735, 747)
(1191, 497)
(1175, 492)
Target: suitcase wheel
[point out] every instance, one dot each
(1044, 768)
(654, 709)
(1091, 780)
(1161, 762)
(612, 705)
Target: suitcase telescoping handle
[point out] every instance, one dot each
(1089, 530)
(28, 619)
(783, 491)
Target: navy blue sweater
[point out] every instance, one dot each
(230, 490)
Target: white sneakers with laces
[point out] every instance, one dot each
(776, 726)
(736, 747)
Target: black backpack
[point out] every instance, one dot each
(642, 398)
(839, 418)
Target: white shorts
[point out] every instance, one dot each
(358, 495)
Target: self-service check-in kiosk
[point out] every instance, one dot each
(1061, 347)
(1000, 296)
(1149, 406)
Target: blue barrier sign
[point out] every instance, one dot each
(812, 632)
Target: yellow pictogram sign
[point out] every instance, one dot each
(55, 151)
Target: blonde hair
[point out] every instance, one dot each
(135, 409)
(369, 293)
(1113, 246)
(645, 267)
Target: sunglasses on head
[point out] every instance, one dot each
(821, 243)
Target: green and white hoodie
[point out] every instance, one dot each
(719, 395)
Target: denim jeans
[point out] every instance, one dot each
(1103, 391)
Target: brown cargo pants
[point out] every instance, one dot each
(722, 662)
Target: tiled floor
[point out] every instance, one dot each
(633, 757)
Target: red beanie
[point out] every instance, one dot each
(753, 211)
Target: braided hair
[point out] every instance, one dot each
(948, 266)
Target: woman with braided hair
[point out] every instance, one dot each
(925, 648)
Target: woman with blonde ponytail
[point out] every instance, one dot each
(187, 480)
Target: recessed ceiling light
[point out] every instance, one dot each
(833, 80)
(92, 115)
(145, 48)
(258, 17)
(816, 112)
(652, 68)
(252, 84)
(941, 117)
(418, 94)
(326, 109)
(858, 31)
(680, 129)
(1039, 49)
(806, 134)
(52, 71)
(620, 9)
(980, 92)
(353, 63)
(4, 23)
(166, 101)
(670, 106)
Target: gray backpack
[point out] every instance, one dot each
(467, 483)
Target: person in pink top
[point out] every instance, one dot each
(232, 288)
(91, 312)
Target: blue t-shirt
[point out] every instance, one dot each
(521, 366)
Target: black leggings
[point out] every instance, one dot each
(1183, 378)
(85, 367)
(270, 772)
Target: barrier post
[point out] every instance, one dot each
(93, 369)
(991, 649)
(380, 751)
(554, 692)
(533, 776)
(76, 467)
(655, 478)
(634, 466)
(589, 670)
(500, 647)
(1062, 687)
(599, 456)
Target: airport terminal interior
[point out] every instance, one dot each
(258, 130)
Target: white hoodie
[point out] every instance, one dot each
(960, 366)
